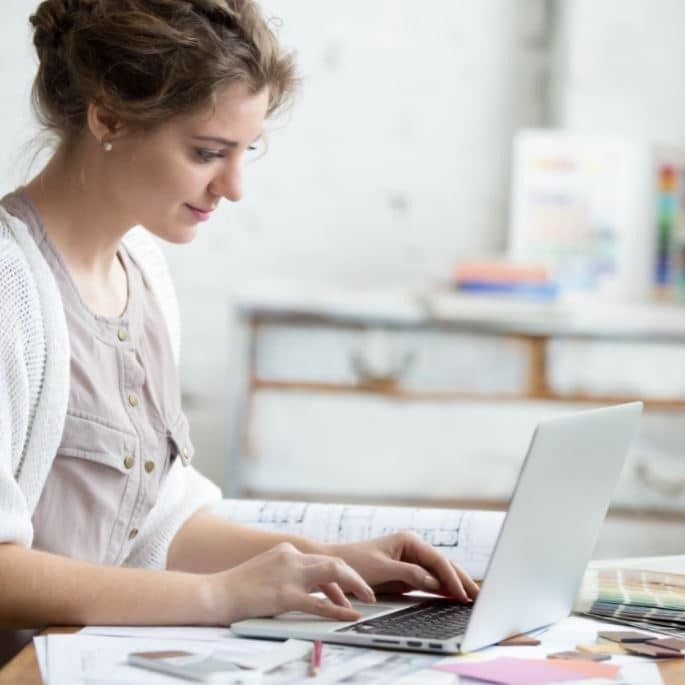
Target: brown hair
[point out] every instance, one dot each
(150, 60)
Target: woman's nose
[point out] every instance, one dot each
(228, 184)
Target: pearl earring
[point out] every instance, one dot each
(107, 145)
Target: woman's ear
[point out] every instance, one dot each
(104, 124)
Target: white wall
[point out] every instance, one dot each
(620, 68)
(393, 163)
(17, 67)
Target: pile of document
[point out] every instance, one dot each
(99, 655)
(647, 600)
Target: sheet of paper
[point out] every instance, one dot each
(161, 632)
(467, 537)
(279, 654)
(40, 642)
(381, 667)
(644, 673)
(431, 677)
(96, 660)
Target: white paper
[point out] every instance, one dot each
(381, 667)
(40, 642)
(430, 677)
(278, 655)
(95, 660)
(467, 537)
(192, 633)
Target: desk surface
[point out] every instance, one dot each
(23, 669)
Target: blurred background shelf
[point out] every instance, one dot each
(438, 410)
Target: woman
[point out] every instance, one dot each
(102, 518)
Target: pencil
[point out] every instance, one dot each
(315, 663)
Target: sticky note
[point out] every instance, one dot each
(587, 668)
(511, 671)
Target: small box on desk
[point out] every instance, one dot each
(606, 213)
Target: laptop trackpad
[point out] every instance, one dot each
(300, 624)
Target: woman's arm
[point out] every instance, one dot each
(207, 543)
(392, 563)
(37, 588)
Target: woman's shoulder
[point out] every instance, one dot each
(28, 292)
(21, 304)
(15, 267)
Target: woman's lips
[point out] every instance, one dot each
(200, 214)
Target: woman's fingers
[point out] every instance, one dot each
(335, 594)
(323, 607)
(335, 570)
(420, 579)
(469, 584)
(452, 580)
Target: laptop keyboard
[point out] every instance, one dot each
(434, 618)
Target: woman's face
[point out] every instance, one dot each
(172, 178)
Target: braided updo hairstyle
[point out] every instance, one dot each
(150, 60)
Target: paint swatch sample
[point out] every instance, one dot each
(641, 599)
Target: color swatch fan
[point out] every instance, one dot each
(642, 599)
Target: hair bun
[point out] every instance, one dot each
(54, 18)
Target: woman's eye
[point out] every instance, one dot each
(208, 155)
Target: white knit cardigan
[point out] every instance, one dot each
(34, 389)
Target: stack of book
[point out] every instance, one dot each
(499, 277)
(642, 599)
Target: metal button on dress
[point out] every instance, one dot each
(122, 334)
(149, 466)
(129, 460)
(133, 533)
(133, 399)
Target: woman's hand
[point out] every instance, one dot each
(282, 579)
(403, 561)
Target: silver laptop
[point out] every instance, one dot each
(560, 500)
